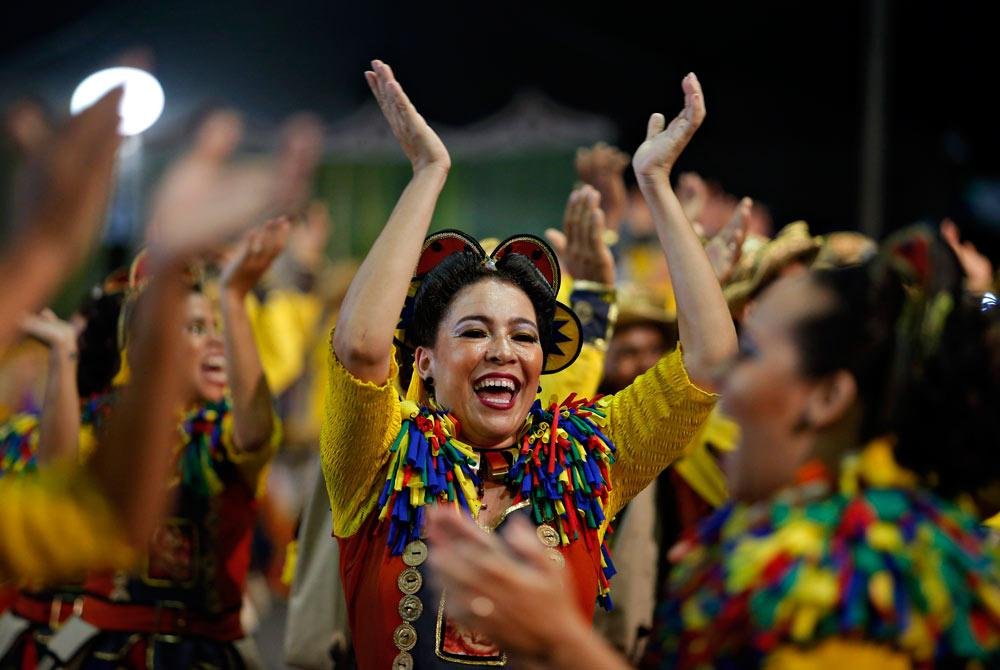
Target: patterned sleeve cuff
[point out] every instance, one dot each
(597, 307)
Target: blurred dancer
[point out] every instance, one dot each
(826, 556)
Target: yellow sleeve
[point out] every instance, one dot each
(55, 526)
(699, 466)
(837, 653)
(283, 327)
(362, 420)
(651, 422)
(251, 464)
(582, 377)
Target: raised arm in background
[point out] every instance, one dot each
(253, 418)
(59, 424)
(60, 211)
(705, 326)
(370, 311)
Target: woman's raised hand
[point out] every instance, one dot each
(50, 330)
(978, 268)
(656, 156)
(420, 144)
(580, 245)
(724, 250)
(205, 201)
(255, 253)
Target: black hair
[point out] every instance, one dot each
(938, 394)
(440, 286)
(99, 357)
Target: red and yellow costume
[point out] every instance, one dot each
(181, 606)
(573, 468)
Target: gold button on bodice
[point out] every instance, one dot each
(403, 661)
(410, 581)
(548, 535)
(556, 557)
(410, 608)
(405, 636)
(415, 553)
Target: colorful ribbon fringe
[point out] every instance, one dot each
(885, 565)
(199, 448)
(18, 442)
(561, 468)
(201, 442)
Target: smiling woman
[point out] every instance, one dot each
(476, 332)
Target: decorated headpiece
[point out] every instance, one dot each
(763, 260)
(932, 280)
(562, 347)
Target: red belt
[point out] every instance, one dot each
(164, 619)
(51, 612)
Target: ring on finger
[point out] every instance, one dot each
(482, 606)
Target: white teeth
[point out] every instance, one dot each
(215, 362)
(496, 383)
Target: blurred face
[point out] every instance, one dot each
(632, 351)
(486, 361)
(767, 395)
(203, 354)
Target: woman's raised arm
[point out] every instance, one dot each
(703, 320)
(370, 312)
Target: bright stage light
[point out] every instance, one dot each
(141, 104)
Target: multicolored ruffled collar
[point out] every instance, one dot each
(18, 444)
(887, 564)
(561, 468)
(199, 448)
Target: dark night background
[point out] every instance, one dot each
(784, 81)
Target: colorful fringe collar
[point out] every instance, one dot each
(199, 448)
(889, 565)
(18, 444)
(561, 468)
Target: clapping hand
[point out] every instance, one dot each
(69, 181)
(655, 158)
(255, 253)
(725, 248)
(603, 167)
(420, 144)
(580, 245)
(50, 330)
(206, 201)
(978, 268)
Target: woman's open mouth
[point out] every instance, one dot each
(497, 391)
(213, 369)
